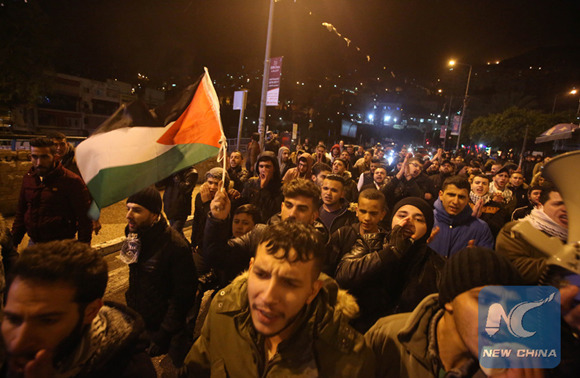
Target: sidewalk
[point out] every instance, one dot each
(113, 223)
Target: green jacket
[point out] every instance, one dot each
(324, 344)
(405, 345)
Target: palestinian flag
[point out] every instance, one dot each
(137, 147)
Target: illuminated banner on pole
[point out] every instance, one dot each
(443, 132)
(455, 125)
(274, 81)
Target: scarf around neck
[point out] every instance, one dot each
(543, 222)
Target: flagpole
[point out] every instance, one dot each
(265, 77)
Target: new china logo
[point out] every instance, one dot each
(519, 327)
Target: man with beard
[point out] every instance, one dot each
(238, 174)
(284, 160)
(162, 275)
(56, 324)
(53, 201)
(446, 170)
(302, 170)
(281, 318)
(367, 178)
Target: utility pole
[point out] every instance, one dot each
(265, 78)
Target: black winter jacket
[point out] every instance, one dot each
(385, 282)
(162, 283)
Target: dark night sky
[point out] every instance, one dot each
(164, 38)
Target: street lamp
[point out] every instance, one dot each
(465, 97)
(572, 92)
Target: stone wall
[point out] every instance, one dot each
(13, 165)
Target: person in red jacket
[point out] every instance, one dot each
(53, 202)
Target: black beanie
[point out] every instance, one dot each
(474, 267)
(425, 208)
(149, 198)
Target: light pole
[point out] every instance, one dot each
(572, 92)
(265, 77)
(465, 98)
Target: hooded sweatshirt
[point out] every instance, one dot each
(293, 172)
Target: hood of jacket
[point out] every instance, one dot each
(280, 151)
(271, 157)
(443, 216)
(309, 164)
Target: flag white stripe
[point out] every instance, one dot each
(124, 146)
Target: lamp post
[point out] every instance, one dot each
(465, 98)
(572, 92)
(265, 77)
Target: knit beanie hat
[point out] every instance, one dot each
(217, 173)
(474, 267)
(424, 207)
(149, 198)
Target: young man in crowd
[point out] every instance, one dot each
(319, 173)
(238, 174)
(367, 177)
(339, 167)
(245, 218)
(55, 323)
(405, 183)
(551, 217)
(334, 211)
(162, 275)
(53, 201)
(534, 193)
(457, 227)
(390, 274)
(280, 318)
(371, 209)
(231, 257)
(264, 191)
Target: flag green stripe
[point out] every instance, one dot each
(114, 184)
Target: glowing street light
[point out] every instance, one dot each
(571, 92)
(465, 98)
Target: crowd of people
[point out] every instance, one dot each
(304, 261)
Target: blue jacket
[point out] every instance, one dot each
(455, 232)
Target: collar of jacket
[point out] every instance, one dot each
(443, 216)
(415, 333)
(320, 320)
